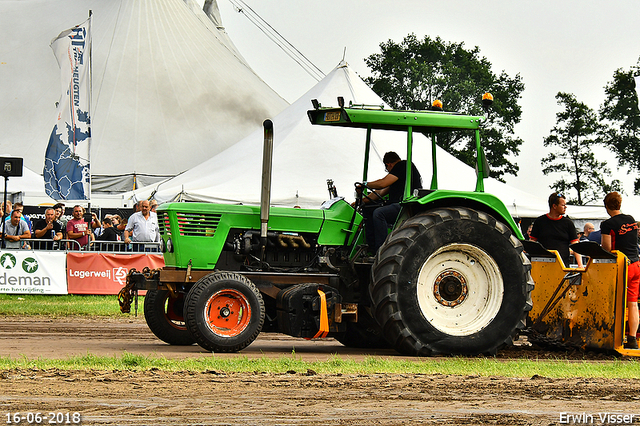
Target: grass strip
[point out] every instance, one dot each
(618, 369)
(63, 305)
(74, 305)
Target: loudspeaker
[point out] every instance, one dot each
(10, 166)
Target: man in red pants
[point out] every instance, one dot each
(620, 232)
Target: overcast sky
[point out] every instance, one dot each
(570, 46)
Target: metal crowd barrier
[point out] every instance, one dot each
(50, 245)
(121, 246)
(95, 246)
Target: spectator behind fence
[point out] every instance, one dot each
(95, 222)
(77, 228)
(47, 229)
(587, 230)
(98, 231)
(144, 227)
(119, 225)
(20, 207)
(7, 209)
(14, 231)
(60, 210)
(108, 231)
(108, 240)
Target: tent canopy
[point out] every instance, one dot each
(28, 188)
(169, 87)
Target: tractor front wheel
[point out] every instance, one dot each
(451, 281)
(224, 312)
(163, 312)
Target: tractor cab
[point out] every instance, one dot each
(428, 123)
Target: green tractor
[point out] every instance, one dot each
(451, 277)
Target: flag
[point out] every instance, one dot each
(66, 165)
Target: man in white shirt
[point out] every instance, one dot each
(142, 227)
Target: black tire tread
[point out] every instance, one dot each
(194, 296)
(158, 323)
(387, 265)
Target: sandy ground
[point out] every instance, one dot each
(294, 398)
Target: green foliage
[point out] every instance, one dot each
(413, 73)
(574, 135)
(620, 110)
(559, 368)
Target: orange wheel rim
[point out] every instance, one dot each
(227, 313)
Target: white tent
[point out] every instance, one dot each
(305, 156)
(29, 186)
(169, 87)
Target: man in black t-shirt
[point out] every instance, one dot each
(378, 218)
(47, 229)
(108, 231)
(620, 232)
(556, 231)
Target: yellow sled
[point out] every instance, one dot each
(583, 307)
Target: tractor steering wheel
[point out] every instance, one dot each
(360, 195)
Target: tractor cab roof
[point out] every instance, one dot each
(376, 117)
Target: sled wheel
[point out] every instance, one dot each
(164, 315)
(451, 281)
(224, 312)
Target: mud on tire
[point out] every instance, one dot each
(165, 317)
(451, 281)
(224, 312)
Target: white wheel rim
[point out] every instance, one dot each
(460, 289)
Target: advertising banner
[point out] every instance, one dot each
(105, 273)
(32, 272)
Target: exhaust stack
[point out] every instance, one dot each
(265, 197)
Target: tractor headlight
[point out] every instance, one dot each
(169, 245)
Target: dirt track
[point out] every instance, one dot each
(300, 398)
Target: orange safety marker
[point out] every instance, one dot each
(324, 317)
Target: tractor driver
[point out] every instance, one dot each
(378, 216)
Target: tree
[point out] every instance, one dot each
(413, 73)
(620, 109)
(575, 135)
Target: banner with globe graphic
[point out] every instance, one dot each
(67, 174)
(31, 272)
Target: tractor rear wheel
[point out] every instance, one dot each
(451, 281)
(164, 313)
(224, 312)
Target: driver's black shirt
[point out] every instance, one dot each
(396, 190)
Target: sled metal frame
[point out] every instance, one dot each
(580, 306)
